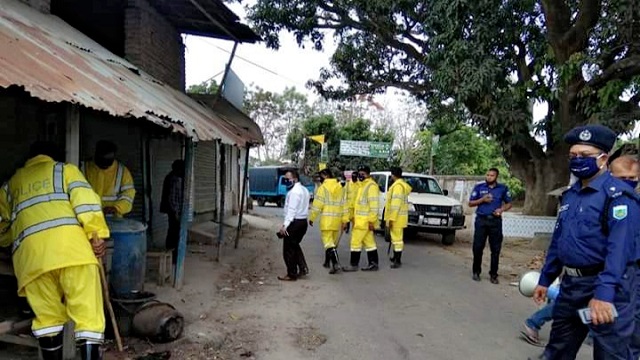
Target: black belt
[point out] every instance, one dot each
(488, 216)
(584, 271)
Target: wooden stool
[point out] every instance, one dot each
(165, 265)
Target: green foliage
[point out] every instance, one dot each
(463, 152)
(358, 129)
(277, 114)
(482, 61)
(207, 87)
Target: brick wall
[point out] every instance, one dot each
(42, 5)
(153, 44)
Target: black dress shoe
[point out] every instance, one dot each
(476, 277)
(494, 280)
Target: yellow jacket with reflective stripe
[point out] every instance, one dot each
(352, 192)
(329, 203)
(396, 208)
(114, 186)
(48, 212)
(366, 205)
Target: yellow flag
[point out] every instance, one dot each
(322, 166)
(317, 138)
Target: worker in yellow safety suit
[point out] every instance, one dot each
(48, 213)
(111, 180)
(396, 213)
(329, 204)
(352, 191)
(365, 221)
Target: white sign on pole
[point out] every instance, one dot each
(459, 186)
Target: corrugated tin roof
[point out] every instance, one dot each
(240, 122)
(55, 62)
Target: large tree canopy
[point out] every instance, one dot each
(486, 61)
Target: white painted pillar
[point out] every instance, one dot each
(72, 147)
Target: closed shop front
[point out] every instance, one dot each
(206, 174)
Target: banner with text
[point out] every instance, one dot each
(365, 149)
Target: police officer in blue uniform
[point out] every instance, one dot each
(492, 199)
(594, 244)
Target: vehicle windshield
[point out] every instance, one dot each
(423, 185)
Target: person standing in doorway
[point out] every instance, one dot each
(396, 214)
(171, 204)
(111, 180)
(365, 222)
(294, 227)
(329, 205)
(492, 199)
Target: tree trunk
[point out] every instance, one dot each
(540, 176)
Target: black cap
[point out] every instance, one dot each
(595, 135)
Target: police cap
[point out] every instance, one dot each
(595, 135)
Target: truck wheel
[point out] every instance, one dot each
(261, 202)
(280, 202)
(448, 238)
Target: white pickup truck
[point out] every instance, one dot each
(430, 209)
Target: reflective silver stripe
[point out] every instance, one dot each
(58, 178)
(365, 192)
(127, 187)
(78, 184)
(332, 214)
(89, 335)
(37, 200)
(362, 213)
(45, 225)
(125, 197)
(81, 209)
(109, 198)
(48, 331)
(119, 174)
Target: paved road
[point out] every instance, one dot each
(429, 309)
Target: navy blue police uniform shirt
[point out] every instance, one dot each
(500, 194)
(578, 240)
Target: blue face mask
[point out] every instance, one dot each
(632, 183)
(288, 184)
(584, 167)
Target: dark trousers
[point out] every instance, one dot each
(291, 250)
(173, 235)
(610, 341)
(487, 227)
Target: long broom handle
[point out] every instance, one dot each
(107, 300)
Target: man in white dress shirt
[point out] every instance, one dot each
(296, 210)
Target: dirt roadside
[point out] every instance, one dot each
(219, 300)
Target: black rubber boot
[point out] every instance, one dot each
(90, 352)
(397, 260)
(372, 256)
(327, 263)
(355, 261)
(51, 347)
(335, 262)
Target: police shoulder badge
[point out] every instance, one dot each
(585, 135)
(620, 212)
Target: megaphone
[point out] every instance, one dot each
(528, 283)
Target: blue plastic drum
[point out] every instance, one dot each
(128, 262)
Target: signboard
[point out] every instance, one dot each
(365, 149)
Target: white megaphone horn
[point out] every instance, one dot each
(529, 281)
